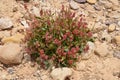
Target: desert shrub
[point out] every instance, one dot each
(57, 40)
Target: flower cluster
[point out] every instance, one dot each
(58, 40)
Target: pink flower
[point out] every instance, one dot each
(41, 12)
(77, 48)
(45, 57)
(79, 24)
(73, 15)
(48, 37)
(71, 38)
(69, 52)
(48, 22)
(68, 33)
(81, 19)
(89, 34)
(64, 53)
(81, 34)
(75, 31)
(59, 51)
(85, 25)
(53, 57)
(73, 50)
(73, 24)
(41, 51)
(57, 42)
(86, 48)
(70, 62)
(64, 37)
(47, 33)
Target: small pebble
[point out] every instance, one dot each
(91, 1)
(117, 54)
(119, 23)
(97, 7)
(117, 40)
(10, 70)
(80, 1)
(73, 5)
(111, 27)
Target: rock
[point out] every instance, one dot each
(91, 1)
(17, 38)
(119, 23)
(108, 5)
(108, 21)
(101, 49)
(117, 40)
(97, 7)
(5, 23)
(36, 11)
(27, 58)
(61, 73)
(3, 76)
(116, 8)
(117, 74)
(115, 15)
(10, 70)
(88, 54)
(117, 54)
(80, 1)
(73, 5)
(91, 25)
(5, 33)
(105, 36)
(115, 2)
(25, 24)
(111, 27)
(11, 53)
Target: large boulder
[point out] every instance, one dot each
(5, 23)
(11, 53)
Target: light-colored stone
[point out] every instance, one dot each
(91, 1)
(115, 2)
(25, 24)
(61, 73)
(117, 40)
(88, 54)
(91, 24)
(108, 5)
(117, 54)
(101, 49)
(111, 27)
(11, 53)
(5, 23)
(36, 11)
(119, 23)
(17, 38)
(97, 7)
(105, 36)
(80, 1)
(116, 8)
(73, 5)
(4, 34)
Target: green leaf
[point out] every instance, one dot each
(43, 29)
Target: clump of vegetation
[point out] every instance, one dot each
(57, 41)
